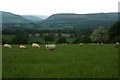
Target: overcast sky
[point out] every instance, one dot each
(49, 7)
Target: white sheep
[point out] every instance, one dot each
(50, 47)
(94, 43)
(117, 42)
(81, 44)
(101, 43)
(23, 47)
(7, 46)
(46, 46)
(35, 45)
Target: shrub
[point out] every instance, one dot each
(114, 32)
(49, 37)
(99, 35)
(61, 40)
(19, 39)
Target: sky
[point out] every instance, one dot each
(49, 7)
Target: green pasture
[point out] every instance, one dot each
(66, 61)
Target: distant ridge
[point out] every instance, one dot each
(72, 17)
(59, 21)
(10, 18)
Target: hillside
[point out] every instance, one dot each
(10, 18)
(69, 17)
(70, 20)
(32, 18)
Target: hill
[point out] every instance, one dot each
(61, 23)
(70, 17)
(10, 18)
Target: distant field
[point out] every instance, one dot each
(36, 39)
(66, 61)
(8, 37)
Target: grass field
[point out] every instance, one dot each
(66, 61)
(37, 39)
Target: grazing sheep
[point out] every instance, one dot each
(117, 42)
(50, 47)
(35, 45)
(23, 47)
(81, 44)
(101, 43)
(94, 43)
(64, 43)
(7, 46)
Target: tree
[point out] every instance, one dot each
(49, 37)
(99, 35)
(114, 32)
(85, 39)
(5, 41)
(19, 39)
(77, 40)
(59, 35)
(61, 40)
(82, 39)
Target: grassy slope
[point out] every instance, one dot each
(66, 61)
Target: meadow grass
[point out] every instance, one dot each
(66, 61)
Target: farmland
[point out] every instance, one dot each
(66, 61)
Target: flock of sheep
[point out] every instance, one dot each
(49, 47)
(34, 45)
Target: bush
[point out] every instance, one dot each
(77, 40)
(114, 32)
(82, 39)
(6, 41)
(19, 39)
(49, 37)
(99, 35)
(61, 40)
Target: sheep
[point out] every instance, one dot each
(101, 43)
(50, 47)
(7, 46)
(81, 44)
(46, 46)
(35, 45)
(117, 45)
(117, 42)
(94, 43)
(23, 47)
